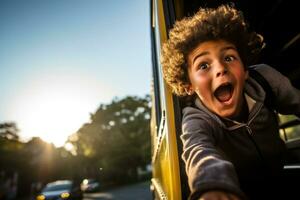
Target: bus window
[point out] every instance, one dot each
(276, 22)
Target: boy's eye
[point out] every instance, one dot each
(229, 58)
(203, 66)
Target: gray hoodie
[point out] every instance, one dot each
(222, 154)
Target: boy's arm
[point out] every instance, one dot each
(205, 167)
(287, 96)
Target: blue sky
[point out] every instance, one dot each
(54, 52)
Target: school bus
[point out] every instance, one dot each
(277, 22)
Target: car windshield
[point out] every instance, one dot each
(57, 186)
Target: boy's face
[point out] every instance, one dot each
(217, 75)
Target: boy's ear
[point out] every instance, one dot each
(189, 90)
(246, 74)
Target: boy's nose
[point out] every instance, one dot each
(221, 69)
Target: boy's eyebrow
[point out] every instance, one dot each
(229, 47)
(222, 50)
(199, 55)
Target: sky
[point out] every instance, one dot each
(61, 59)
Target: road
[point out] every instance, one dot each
(140, 191)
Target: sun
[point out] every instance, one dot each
(53, 115)
(54, 107)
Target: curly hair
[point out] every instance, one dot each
(225, 23)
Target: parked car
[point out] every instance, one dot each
(90, 185)
(61, 190)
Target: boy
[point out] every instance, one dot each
(231, 145)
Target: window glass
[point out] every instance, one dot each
(292, 132)
(158, 46)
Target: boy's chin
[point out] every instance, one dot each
(230, 114)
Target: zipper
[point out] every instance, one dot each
(250, 135)
(258, 110)
(247, 125)
(249, 130)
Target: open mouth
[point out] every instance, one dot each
(224, 92)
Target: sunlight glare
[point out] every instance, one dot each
(54, 107)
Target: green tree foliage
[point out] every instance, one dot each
(11, 155)
(117, 139)
(9, 145)
(9, 130)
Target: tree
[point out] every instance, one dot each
(9, 130)
(117, 140)
(9, 145)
